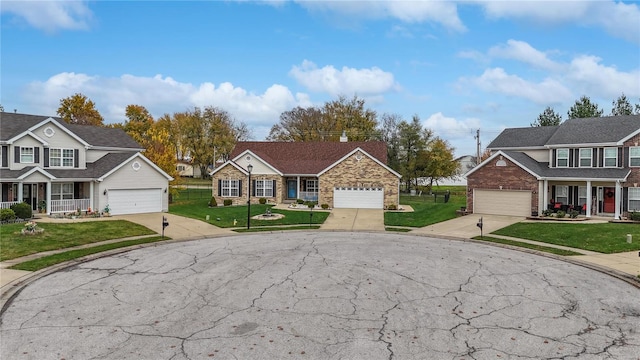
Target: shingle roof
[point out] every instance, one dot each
(308, 157)
(543, 170)
(12, 124)
(598, 130)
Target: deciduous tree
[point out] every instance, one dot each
(78, 109)
(412, 140)
(436, 162)
(584, 108)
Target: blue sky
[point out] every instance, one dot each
(459, 66)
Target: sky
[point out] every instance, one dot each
(460, 66)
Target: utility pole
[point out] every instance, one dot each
(477, 137)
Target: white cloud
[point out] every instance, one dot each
(617, 18)
(451, 128)
(522, 51)
(51, 16)
(591, 77)
(162, 95)
(347, 81)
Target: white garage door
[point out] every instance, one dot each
(360, 198)
(135, 201)
(502, 202)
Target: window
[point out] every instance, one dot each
(562, 157)
(585, 157)
(264, 188)
(610, 157)
(582, 195)
(562, 194)
(634, 156)
(181, 168)
(26, 155)
(634, 199)
(61, 191)
(312, 185)
(61, 157)
(230, 188)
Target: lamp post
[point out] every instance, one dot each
(249, 168)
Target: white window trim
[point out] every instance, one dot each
(61, 158)
(582, 195)
(604, 157)
(264, 188)
(566, 194)
(580, 157)
(313, 188)
(558, 158)
(630, 157)
(637, 198)
(22, 154)
(227, 190)
(61, 191)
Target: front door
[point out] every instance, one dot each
(292, 189)
(30, 195)
(609, 201)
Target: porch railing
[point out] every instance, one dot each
(71, 205)
(308, 195)
(8, 204)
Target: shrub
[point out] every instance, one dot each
(635, 216)
(262, 201)
(560, 214)
(7, 215)
(227, 202)
(392, 207)
(573, 214)
(22, 210)
(547, 212)
(324, 206)
(299, 201)
(213, 202)
(310, 204)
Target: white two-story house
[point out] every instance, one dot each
(591, 165)
(60, 168)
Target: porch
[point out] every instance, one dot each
(48, 197)
(589, 198)
(305, 188)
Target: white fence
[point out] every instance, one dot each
(7, 204)
(63, 206)
(308, 195)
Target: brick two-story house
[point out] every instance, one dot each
(340, 174)
(61, 168)
(591, 165)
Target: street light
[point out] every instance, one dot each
(249, 168)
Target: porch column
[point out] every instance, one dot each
(588, 212)
(20, 199)
(618, 200)
(545, 196)
(48, 197)
(298, 187)
(91, 195)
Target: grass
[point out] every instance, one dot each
(46, 261)
(607, 238)
(198, 209)
(397, 229)
(548, 249)
(60, 236)
(427, 209)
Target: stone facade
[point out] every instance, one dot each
(358, 170)
(507, 177)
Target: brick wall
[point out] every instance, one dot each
(510, 177)
(634, 177)
(352, 172)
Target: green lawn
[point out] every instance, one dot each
(60, 236)
(224, 216)
(527, 245)
(427, 209)
(605, 238)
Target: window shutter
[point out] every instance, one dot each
(553, 193)
(16, 152)
(553, 158)
(239, 188)
(36, 155)
(620, 156)
(76, 156)
(5, 156)
(274, 188)
(253, 188)
(46, 157)
(76, 191)
(625, 157)
(219, 187)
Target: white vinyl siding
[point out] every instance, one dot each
(562, 158)
(634, 199)
(26, 155)
(634, 156)
(264, 188)
(230, 188)
(610, 157)
(585, 157)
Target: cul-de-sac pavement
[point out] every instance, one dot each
(324, 295)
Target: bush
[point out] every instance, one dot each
(635, 216)
(299, 201)
(547, 212)
(22, 210)
(560, 214)
(573, 214)
(213, 202)
(324, 206)
(227, 202)
(392, 207)
(7, 215)
(262, 201)
(310, 204)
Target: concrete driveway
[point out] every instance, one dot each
(466, 226)
(355, 220)
(179, 227)
(323, 295)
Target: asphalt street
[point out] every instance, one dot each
(323, 295)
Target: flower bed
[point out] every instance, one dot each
(31, 228)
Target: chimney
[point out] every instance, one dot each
(344, 138)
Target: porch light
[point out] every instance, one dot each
(104, 192)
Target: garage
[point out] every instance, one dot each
(358, 197)
(135, 201)
(502, 202)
